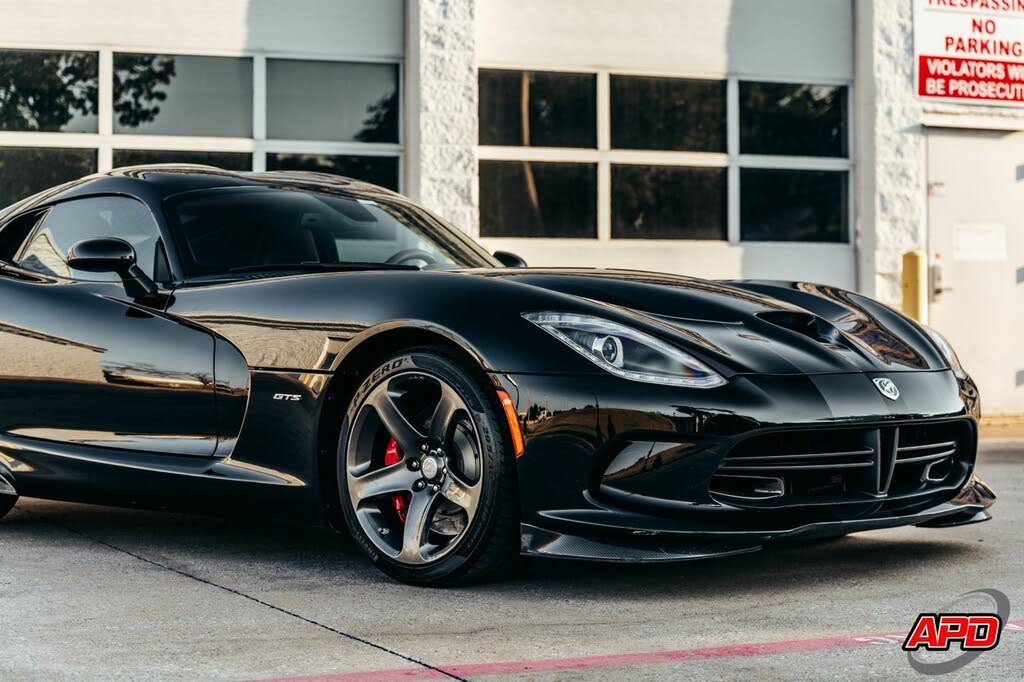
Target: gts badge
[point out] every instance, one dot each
(288, 397)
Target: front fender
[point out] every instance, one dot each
(312, 323)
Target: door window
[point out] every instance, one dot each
(13, 234)
(70, 222)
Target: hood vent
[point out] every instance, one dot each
(805, 324)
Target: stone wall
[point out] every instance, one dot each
(441, 109)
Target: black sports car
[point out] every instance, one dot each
(309, 347)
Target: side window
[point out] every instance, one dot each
(70, 222)
(13, 234)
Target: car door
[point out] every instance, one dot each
(83, 364)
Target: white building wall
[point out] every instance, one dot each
(789, 38)
(368, 31)
(892, 131)
(442, 42)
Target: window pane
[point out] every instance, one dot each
(668, 113)
(159, 94)
(792, 205)
(378, 170)
(529, 199)
(233, 161)
(25, 171)
(309, 100)
(70, 222)
(798, 120)
(259, 227)
(667, 202)
(14, 234)
(48, 91)
(561, 106)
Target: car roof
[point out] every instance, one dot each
(156, 182)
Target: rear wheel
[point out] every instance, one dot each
(424, 473)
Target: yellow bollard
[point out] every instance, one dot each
(915, 285)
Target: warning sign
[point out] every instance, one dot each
(970, 50)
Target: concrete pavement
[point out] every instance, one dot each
(98, 593)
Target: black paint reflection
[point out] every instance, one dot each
(87, 369)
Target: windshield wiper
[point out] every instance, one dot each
(314, 267)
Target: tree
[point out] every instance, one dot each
(381, 122)
(43, 91)
(136, 79)
(46, 90)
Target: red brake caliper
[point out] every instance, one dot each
(400, 501)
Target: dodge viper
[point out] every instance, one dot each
(306, 347)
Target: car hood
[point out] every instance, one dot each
(763, 327)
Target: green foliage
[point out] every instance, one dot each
(43, 91)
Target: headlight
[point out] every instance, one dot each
(947, 352)
(626, 352)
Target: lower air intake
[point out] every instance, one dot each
(865, 464)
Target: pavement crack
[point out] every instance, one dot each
(239, 593)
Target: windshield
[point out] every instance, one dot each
(233, 230)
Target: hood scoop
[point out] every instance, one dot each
(806, 324)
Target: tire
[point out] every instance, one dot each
(7, 503)
(454, 477)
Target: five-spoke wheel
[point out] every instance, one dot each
(414, 470)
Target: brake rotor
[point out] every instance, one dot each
(449, 520)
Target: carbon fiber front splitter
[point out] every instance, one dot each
(645, 546)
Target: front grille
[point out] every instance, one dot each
(865, 464)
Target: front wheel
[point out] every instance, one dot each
(425, 474)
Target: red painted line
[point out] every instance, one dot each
(554, 665)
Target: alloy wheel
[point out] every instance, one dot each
(414, 468)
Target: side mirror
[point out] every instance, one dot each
(509, 260)
(108, 254)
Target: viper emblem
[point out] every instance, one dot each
(887, 388)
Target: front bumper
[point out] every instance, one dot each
(586, 495)
(644, 544)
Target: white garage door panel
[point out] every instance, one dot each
(809, 38)
(366, 28)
